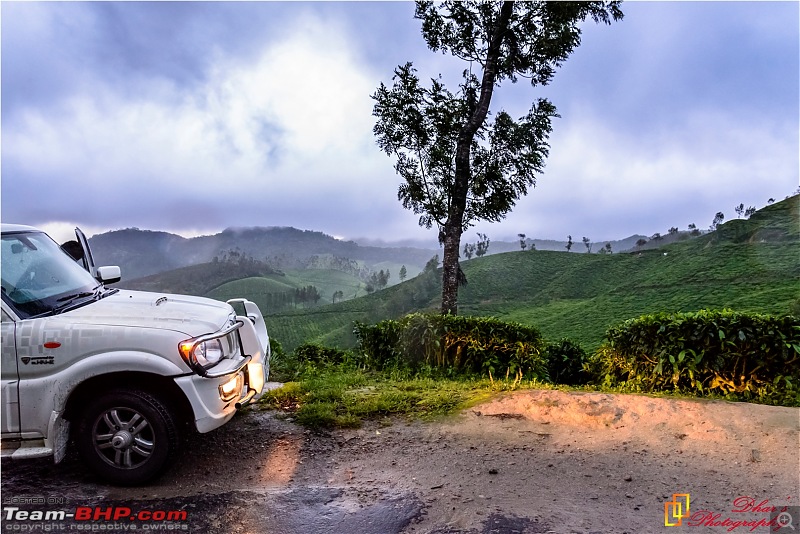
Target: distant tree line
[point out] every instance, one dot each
(292, 298)
(378, 281)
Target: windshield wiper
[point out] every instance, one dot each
(71, 298)
(106, 292)
(77, 300)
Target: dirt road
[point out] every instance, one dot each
(528, 462)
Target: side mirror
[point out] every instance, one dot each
(108, 274)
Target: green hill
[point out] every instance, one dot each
(258, 289)
(749, 265)
(269, 288)
(142, 253)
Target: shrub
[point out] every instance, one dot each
(454, 343)
(565, 363)
(318, 354)
(306, 358)
(742, 356)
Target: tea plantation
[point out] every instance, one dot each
(748, 265)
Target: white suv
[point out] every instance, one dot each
(123, 373)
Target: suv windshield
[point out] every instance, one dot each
(39, 278)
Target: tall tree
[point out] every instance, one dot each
(718, 218)
(569, 242)
(522, 244)
(469, 250)
(482, 246)
(457, 169)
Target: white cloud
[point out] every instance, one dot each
(283, 134)
(600, 180)
(298, 123)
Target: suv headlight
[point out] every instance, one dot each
(205, 354)
(202, 353)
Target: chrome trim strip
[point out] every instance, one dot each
(208, 337)
(241, 366)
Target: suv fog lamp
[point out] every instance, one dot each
(232, 388)
(255, 376)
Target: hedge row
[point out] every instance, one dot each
(739, 355)
(457, 343)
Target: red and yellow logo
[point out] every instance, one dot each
(676, 510)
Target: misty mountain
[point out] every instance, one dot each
(143, 252)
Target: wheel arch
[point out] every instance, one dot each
(161, 387)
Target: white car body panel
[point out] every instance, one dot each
(46, 358)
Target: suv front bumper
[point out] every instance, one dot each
(215, 398)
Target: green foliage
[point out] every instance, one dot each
(565, 363)
(457, 167)
(278, 293)
(580, 296)
(794, 307)
(739, 355)
(308, 358)
(457, 344)
(537, 36)
(337, 396)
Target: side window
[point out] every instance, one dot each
(6, 317)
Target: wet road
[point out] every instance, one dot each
(217, 488)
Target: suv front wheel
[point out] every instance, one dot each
(127, 437)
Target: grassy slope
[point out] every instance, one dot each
(583, 299)
(326, 281)
(751, 265)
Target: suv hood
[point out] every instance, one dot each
(193, 316)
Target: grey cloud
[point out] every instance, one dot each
(148, 110)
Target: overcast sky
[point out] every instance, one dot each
(193, 117)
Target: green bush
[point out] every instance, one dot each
(738, 355)
(306, 358)
(565, 363)
(318, 354)
(460, 345)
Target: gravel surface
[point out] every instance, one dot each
(527, 462)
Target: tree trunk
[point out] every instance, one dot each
(454, 225)
(452, 243)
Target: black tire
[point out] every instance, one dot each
(127, 437)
